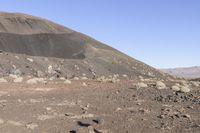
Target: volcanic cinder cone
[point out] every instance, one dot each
(71, 52)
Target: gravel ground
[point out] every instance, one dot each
(96, 107)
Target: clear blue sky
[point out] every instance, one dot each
(161, 33)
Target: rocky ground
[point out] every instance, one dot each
(91, 106)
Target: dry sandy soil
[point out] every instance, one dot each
(99, 107)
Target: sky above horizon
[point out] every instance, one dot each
(161, 33)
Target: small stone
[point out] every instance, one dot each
(99, 121)
(84, 84)
(124, 75)
(84, 123)
(50, 69)
(1, 121)
(17, 57)
(73, 131)
(91, 129)
(103, 131)
(31, 126)
(17, 72)
(118, 109)
(40, 74)
(19, 100)
(29, 59)
(186, 116)
(15, 123)
(48, 108)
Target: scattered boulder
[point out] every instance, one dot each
(196, 84)
(182, 88)
(175, 88)
(67, 81)
(2, 80)
(160, 85)
(185, 89)
(184, 83)
(84, 78)
(40, 74)
(35, 80)
(112, 79)
(13, 76)
(141, 85)
(18, 80)
(76, 78)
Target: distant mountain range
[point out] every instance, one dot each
(187, 72)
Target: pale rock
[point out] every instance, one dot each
(84, 78)
(29, 59)
(175, 88)
(84, 84)
(1, 121)
(2, 80)
(124, 75)
(13, 76)
(76, 78)
(160, 85)
(62, 78)
(141, 85)
(18, 80)
(67, 81)
(50, 69)
(196, 84)
(31, 126)
(35, 80)
(185, 89)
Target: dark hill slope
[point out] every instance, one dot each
(68, 52)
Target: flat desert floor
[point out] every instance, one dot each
(96, 107)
